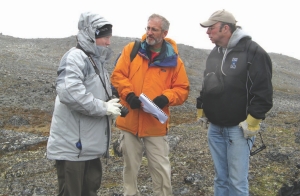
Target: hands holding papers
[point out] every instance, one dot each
(152, 108)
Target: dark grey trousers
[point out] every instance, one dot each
(79, 178)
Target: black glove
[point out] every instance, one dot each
(133, 101)
(161, 101)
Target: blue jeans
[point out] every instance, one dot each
(230, 153)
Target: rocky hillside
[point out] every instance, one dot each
(27, 75)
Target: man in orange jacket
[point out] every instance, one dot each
(159, 73)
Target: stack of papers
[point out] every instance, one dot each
(152, 108)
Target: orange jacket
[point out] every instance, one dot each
(139, 76)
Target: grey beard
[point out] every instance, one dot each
(154, 42)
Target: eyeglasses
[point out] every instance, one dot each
(261, 148)
(154, 30)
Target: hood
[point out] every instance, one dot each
(236, 36)
(87, 25)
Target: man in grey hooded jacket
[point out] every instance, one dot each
(80, 129)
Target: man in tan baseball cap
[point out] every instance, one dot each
(219, 16)
(232, 106)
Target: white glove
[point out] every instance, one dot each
(201, 118)
(250, 126)
(247, 132)
(203, 122)
(113, 108)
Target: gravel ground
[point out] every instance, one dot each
(27, 75)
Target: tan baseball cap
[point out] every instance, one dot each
(219, 16)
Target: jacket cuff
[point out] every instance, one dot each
(130, 96)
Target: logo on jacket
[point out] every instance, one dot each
(233, 63)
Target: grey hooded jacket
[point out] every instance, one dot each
(80, 106)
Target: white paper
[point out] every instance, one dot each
(152, 108)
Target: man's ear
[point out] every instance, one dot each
(226, 28)
(165, 33)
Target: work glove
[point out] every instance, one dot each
(161, 101)
(201, 118)
(113, 108)
(250, 126)
(133, 101)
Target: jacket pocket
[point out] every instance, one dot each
(213, 84)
